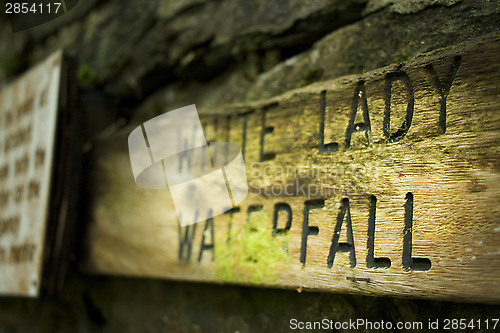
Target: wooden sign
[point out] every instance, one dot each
(383, 183)
(29, 111)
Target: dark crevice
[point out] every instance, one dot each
(94, 314)
(193, 8)
(311, 29)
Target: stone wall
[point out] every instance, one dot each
(136, 57)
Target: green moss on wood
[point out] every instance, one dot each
(252, 254)
(310, 76)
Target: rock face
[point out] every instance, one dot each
(130, 49)
(136, 58)
(380, 39)
(406, 7)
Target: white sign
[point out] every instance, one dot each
(28, 114)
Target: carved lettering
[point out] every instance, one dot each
(186, 242)
(208, 232)
(443, 87)
(344, 214)
(306, 229)
(329, 147)
(410, 263)
(359, 95)
(371, 261)
(405, 126)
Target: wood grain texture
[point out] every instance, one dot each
(414, 172)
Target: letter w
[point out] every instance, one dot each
(186, 242)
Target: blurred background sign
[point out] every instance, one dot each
(29, 111)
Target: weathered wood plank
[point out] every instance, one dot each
(390, 181)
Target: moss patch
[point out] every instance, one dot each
(86, 75)
(252, 254)
(310, 76)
